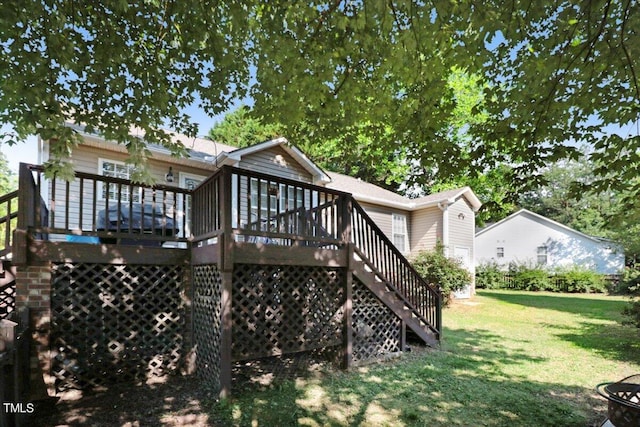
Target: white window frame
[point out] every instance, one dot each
(124, 194)
(399, 232)
(542, 251)
(500, 252)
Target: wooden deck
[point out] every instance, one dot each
(258, 250)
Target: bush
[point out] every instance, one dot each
(630, 282)
(490, 276)
(633, 312)
(578, 279)
(436, 268)
(527, 277)
(533, 279)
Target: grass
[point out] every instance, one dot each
(508, 359)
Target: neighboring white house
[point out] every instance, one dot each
(526, 237)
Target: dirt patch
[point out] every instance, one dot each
(172, 400)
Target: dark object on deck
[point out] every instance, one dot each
(136, 219)
(624, 401)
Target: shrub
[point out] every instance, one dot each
(578, 279)
(527, 277)
(436, 268)
(633, 312)
(489, 276)
(533, 279)
(630, 281)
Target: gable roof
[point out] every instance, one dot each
(542, 218)
(234, 156)
(372, 193)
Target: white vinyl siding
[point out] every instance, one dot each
(277, 162)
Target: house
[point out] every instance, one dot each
(234, 255)
(527, 237)
(411, 224)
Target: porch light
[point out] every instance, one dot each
(169, 176)
(460, 216)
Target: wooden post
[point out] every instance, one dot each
(345, 219)
(347, 338)
(26, 209)
(225, 243)
(225, 334)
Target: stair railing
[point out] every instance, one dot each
(386, 261)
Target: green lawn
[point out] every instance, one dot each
(507, 359)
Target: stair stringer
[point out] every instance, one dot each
(390, 299)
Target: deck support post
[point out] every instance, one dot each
(225, 242)
(225, 335)
(347, 338)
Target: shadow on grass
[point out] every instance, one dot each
(430, 388)
(613, 342)
(602, 331)
(462, 385)
(594, 307)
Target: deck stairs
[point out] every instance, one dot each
(395, 301)
(390, 276)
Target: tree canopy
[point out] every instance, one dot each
(553, 75)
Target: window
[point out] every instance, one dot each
(542, 255)
(121, 170)
(399, 231)
(500, 252)
(272, 198)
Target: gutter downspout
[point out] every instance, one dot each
(445, 226)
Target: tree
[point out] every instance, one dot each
(8, 180)
(569, 198)
(553, 73)
(112, 65)
(240, 129)
(354, 153)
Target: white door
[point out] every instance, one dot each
(464, 255)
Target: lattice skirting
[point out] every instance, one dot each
(115, 323)
(207, 286)
(285, 309)
(7, 299)
(376, 329)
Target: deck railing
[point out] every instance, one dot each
(8, 221)
(384, 259)
(260, 208)
(249, 207)
(95, 208)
